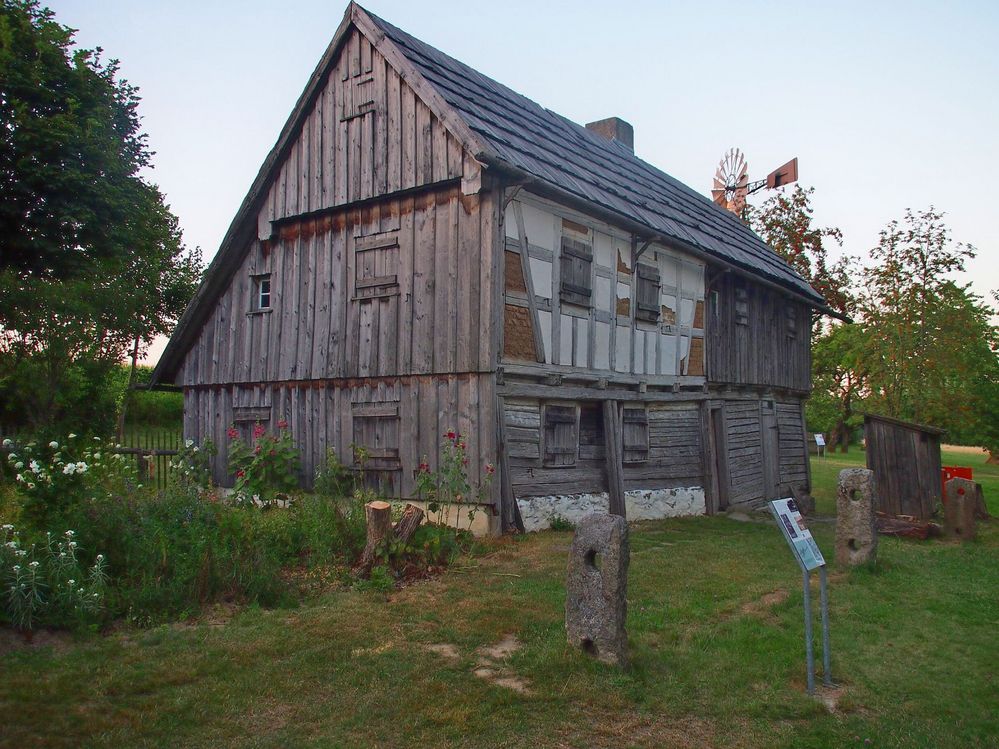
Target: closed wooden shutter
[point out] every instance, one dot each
(577, 283)
(561, 441)
(647, 293)
(635, 433)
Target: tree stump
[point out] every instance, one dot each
(411, 519)
(378, 516)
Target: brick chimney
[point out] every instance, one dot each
(614, 128)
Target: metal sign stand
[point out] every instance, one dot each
(808, 556)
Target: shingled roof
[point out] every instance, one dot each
(526, 137)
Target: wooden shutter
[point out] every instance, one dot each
(376, 430)
(635, 433)
(577, 284)
(561, 426)
(647, 293)
(741, 305)
(376, 257)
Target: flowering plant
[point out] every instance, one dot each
(264, 466)
(49, 585)
(191, 468)
(448, 488)
(52, 475)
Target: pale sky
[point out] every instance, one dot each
(886, 106)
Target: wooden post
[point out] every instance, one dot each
(615, 471)
(378, 515)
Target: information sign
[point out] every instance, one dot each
(798, 537)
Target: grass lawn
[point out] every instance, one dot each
(715, 628)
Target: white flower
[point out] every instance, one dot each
(72, 436)
(17, 568)
(20, 477)
(97, 456)
(100, 557)
(19, 465)
(7, 527)
(69, 534)
(11, 544)
(34, 466)
(33, 565)
(81, 467)
(71, 581)
(21, 553)
(72, 544)
(8, 443)
(69, 469)
(30, 485)
(54, 445)
(188, 443)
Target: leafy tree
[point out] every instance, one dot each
(839, 381)
(930, 350)
(92, 263)
(785, 222)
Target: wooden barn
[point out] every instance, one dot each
(905, 458)
(425, 249)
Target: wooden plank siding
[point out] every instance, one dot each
(345, 152)
(432, 317)
(321, 416)
(906, 462)
(761, 340)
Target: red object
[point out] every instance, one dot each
(953, 472)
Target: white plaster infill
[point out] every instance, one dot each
(640, 504)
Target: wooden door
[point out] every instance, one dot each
(771, 450)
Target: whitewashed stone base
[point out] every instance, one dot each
(640, 504)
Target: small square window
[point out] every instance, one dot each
(635, 435)
(262, 292)
(560, 435)
(647, 293)
(576, 265)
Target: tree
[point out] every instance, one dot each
(839, 383)
(930, 351)
(784, 222)
(92, 260)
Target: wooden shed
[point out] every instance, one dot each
(905, 458)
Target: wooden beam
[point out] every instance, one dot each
(612, 450)
(539, 344)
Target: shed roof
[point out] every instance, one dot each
(905, 424)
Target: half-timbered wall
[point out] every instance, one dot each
(367, 134)
(756, 336)
(580, 301)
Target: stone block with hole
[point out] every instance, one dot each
(596, 588)
(960, 503)
(856, 530)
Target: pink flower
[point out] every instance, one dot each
(282, 424)
(258, 431)
(232, 433)
(464, 462)
(424, 468)
(240, 473)
(490, 468)
(451, 434)
(256, 450)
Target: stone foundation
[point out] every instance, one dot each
(640, 504)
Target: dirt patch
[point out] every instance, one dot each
(373, 650)
(487, 667)
(965, 449)
(502, 649)
(830, 697)
(11, 641)
(625, 728)
(445, 650)
(766, 601)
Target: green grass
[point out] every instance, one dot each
(715, 630)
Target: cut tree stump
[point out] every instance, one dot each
(411, 519)
(378, 516)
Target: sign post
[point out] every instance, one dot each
(820, 444)
(806, 552)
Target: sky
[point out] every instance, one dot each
(887, 106)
